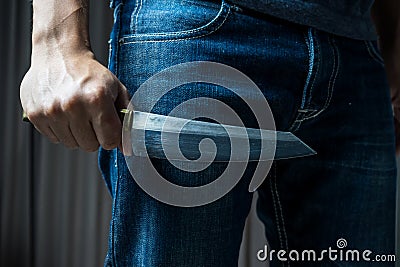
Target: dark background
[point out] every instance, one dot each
(54, 207)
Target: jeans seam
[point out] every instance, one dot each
(311, 57)
(134, 15)
(110, 51)
(115, 59)
(138, 12)
(309, 40)
(115, 200)
(278, 214)
(281, 214)
(115, 56)
(317, 63)
(332, 78)
(373, 53)
(169, 36)
(275, 211)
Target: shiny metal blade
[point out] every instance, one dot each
(199, 140)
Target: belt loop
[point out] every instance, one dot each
(115, 3)
(115, 37)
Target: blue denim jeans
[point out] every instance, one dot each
(330, 91)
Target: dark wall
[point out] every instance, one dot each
(54, 208)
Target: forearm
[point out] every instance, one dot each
(60, 25)
(69, 96)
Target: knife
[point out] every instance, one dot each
(159, 132)
(156, 131)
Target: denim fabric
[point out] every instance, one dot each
(350, 18)
(328, 90)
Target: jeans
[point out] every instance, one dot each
(330, 91)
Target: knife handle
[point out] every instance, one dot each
(122, 113)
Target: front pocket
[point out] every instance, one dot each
(373, 51)
(190, 21)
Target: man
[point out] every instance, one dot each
(318, 66)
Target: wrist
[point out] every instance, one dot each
(65, 31)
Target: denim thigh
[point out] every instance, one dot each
(320, 86)
(348, 190)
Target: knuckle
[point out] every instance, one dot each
(96, 97)
(54, 110)
(71, 104)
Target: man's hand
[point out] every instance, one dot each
(73, 100)
(386, 15)
(69, 96)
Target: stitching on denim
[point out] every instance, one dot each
(310, 45)
(117, 22)
(178, 39)
(377, 53)
(138, 12)
(293, 127)
(275, 209)
(306, 110)
(317, 60)
(373, 53)
(281, 212)
(332, 78)
(115, 200)
(309, 40)
(170, 35)
(223, 6)
(115, 57)
(133, 16)
(314, 48)
(110, 50)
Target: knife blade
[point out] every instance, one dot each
(156, 132)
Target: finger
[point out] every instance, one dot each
(84, 135)
(64, 134)
(38, 121)
(122, 99)
(46, 131)
(107, 126)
